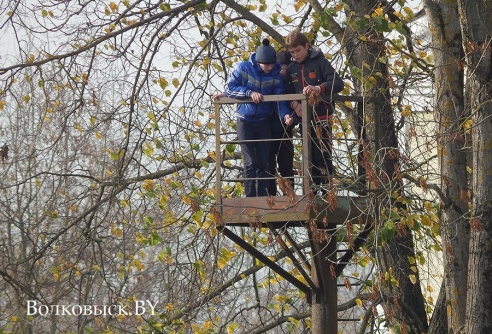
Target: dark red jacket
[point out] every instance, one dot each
(315, 70)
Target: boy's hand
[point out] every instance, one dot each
(289, 120)
(217, 96)
(256, 97)
(311, 89)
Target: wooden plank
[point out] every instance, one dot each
(254, 211)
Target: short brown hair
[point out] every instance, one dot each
(295, 39)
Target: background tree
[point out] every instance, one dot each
(476, 30)
(453, 138)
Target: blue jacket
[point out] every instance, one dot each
(248, 77)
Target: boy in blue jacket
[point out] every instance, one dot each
(311, 73)
(254, 78)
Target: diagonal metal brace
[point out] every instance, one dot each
(295, 261)
(269, 263)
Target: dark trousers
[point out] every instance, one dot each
(255, 156)
(281, 157)
(321, 146)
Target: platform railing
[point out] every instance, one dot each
(255, 207)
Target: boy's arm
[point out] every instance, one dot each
(332, 82)
(235, 87)
(282, 108)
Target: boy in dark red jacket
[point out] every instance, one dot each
(311, 73)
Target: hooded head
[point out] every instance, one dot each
(266, 54)
(284, 57)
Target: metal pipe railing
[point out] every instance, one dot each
(305, 126)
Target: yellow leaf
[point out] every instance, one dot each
(287, 19)
(468, 125)
(113, 6)
(379, 11)
(231, 328)
(44, 13)
(298, 5)
(186, 200)
(426, 221)
(148, 185)
(175, 82)
(413, 279)
(406, 111)
(163, 83)
(294, 321)
(408, 11)
(358, 302)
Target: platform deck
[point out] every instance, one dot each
(282, 210)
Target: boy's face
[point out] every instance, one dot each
(267, 68)
(299, 53)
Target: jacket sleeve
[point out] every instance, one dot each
(332, 82)
(236, 85)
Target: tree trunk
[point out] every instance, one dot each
(450, 117)
(477, 29)
(403, 301)
(439, 321)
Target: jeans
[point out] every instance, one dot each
(321, 146)
(281, 156)
(255, 155)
